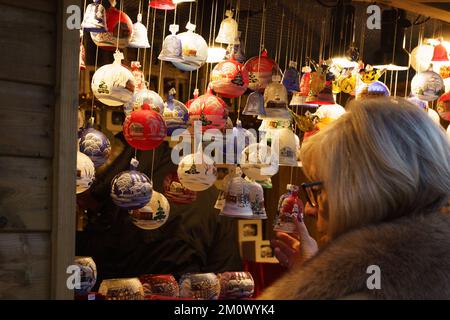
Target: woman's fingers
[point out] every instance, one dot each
(285, 248)
(282, 258)
(309, 246)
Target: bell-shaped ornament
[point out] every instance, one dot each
(94, 18)
(131, 189)
(162, 4)
(172, 48)
(259, 162)
(139, 38)
(254, 105)
(284, 143)
(440, 53)
(257, 200)
(291, 78)
(194, 50)
(237, 199)
(228, 31)
(297, 99)
(290, 209)
(276, 100)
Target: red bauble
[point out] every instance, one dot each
(210, 110)
(229, 79)
(144, 129)
(260, 70)
(115, 19)
(162, 4)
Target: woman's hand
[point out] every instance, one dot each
(294, 248)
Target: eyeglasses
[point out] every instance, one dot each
(312, 190)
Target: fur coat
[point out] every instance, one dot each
(413, 254)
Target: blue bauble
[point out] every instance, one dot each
(95, 145)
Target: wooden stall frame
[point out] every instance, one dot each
(64, 161)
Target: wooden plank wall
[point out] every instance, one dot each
(28, 43)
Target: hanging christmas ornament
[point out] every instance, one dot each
(427, 85)
(236, 285)
(95, 145)
(291, 78)
(421, 57)
(131, 189)
(211, 110)
(290, 209)
(194, 50)
(440, 52)
(197, 172)
(434, 116)
(216, 55)
(443, 106)
(373, 90)
(321, 86)
(172, 47)
(139, 79)
(160, 285)
(162, 4)
(144, 96)
(113, 84)
(228, 31)
(85, 172)
(154, 214)
(259, 162)
(283, 142)
(139, 37)
(122, 289)
(420, 103)
(175, 114)
(200, 286)
(276, 100)
(257, 200)
(260, 70)
(236, 142)
(237, 199)
(144, 129)
(118, 25)
(94, 18)
(254, 105)
(88, 274)
(175, 192)
(297, 100)
(305, 83)
(229, 79)
(236, 50)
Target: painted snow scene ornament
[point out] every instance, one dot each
(94, 18)
(139, 37)
(175, 114)
(145, 96)
(260, 70)
(85, 172)
(175, 192)
(257, 200)
(154, 214)
(259, 162)
(95, 145)
(119, 25)
(172, 47)
(254, 105)
(236, 285)
(122, 289)
(276, 100)
(374, 89)
(211, 110)
(290, 209)
(113, 84)
(160, 285)
(427, 85)
(131, 189)
(443, 106)
(236, 50)
(229, 79)
(194, 50)
(88, 274)
(144, 129)
(237, 198)
(200, 286)
(197, 172)
(228, 32)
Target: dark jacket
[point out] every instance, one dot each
(413, 254)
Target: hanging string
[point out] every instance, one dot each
(280, 36)
(287, 42)
(152, 165)
(201, 31)
(362, 43)
(246, 27)
(302, 38)
(409, 51)
(151, 50)
(175, 14)
(118, 29)
(213, 13)
(190, 72)
(140, 12)
(145, 50)
(161, 62)
(95, 69)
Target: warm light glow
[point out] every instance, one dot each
(216, 55)
(344, 63)
(391, 67)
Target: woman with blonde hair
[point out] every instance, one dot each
(381, 188)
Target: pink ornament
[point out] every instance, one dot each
(144, 129)
(210, 110)
(229, 79)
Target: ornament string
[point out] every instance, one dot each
(213, 13)
(190, 72)
(280, 36)
(150, 62)
(139, 13)
(201, 31)
(161, 62)
(145, 50)
(409, 62)
(261, 35)
(120, 22)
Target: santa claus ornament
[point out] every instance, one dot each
(85, 172)
(95, 145)
(211, 110)
(260, 70)
(229, 79)
(197, 172)
(290, 209)
(144, 129)
(113, 84)
(175, 192)
(154, 214)
(131, 189)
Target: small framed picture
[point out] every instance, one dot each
(264, 252)
(250, 230)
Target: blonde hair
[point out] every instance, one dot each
(383, 159)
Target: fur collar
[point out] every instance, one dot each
(413, 254)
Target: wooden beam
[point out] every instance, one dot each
(415, 7)
(65, 152)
